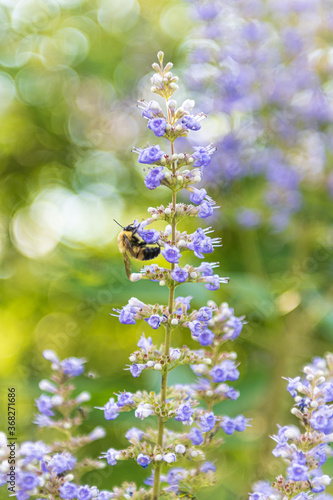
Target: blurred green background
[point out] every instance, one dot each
(71, 72)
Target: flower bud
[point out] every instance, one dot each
(83, 397)
(135, 277)
(162, 283)
(46, 385)
(174, 322)
(97, 433)
(167, 211)
(150, 364)
(132, 359)
(180, 448)
(158, 366)
(158, 458)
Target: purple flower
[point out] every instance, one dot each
(208, 467)
(262, 490)
(43, 421)
(22, 495)
(206, 269)
(158, 126)
(240, 423)
(213, 282)
(150, 109)
(204, 314)
(179, 274)
(202, 156)
(144, 343)
(236, 326)
(319, 453)
(327, 390)
(171, 254)
(136, 369)
(207, 422)
(198, 195)
(186, 301)
(84, 493)
(111, 456)
(228, 425)
(33, 450)
(175, 475)
(151, 155)
(292, 385)
(195, 327)
(191, 123)
(73, 367)
(143, 460)
(134, 434)
(297, 472)
(184, 412)
(206, 337)
(105, 495)
(60, 462)
(149, 236)
(322, 420)
(232, 394)
(154, 177)
(44, 405)
(195, 436)
(226, 370)
(200, 243)
(27, 481)
(111, 409)
(154, 321)
(125, 399)
(68, 491)
(206, 210)
(127, 316)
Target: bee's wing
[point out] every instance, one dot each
(127, 261)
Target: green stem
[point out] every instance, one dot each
(164, 381)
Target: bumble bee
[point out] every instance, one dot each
(130, 244)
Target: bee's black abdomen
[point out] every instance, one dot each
(149, 253)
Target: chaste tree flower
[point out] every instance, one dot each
(47, 470)
(304, 451)
(263, 70)
(177, 460)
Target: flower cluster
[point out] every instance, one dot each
(192, 405)
(305, 452)
(268, 84)
(48, 470)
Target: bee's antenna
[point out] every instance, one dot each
(118, 223)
